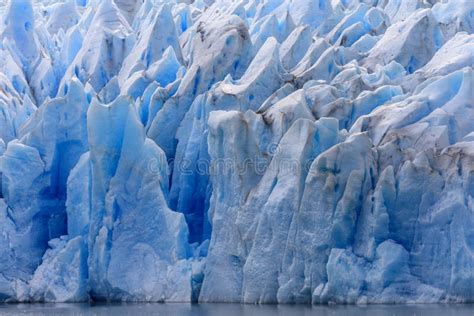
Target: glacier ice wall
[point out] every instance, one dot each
(255, 151)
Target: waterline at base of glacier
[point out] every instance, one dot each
(138, 309)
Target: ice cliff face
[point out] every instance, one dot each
(256, 151)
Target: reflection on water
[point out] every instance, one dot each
(234, 310)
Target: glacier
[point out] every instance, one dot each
(246, 151)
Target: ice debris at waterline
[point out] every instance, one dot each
(256, 151)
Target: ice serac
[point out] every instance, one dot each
(271, 26)
(62, 276)
(232, 182)
(295, 46)
(79, 194)
(438, 98)
(18, 33)
(63, 17)
(190, 189)
(454, 16)
(158, 34)
(9, 277)
(399, 10)
(455, 54)
(260, 164)
(138, 247)
(15, 109)
(411, 42)
(310, 12)
(266, 217)
(28, 50)
(34, 171)
(105, 46)
(129, 8)
(218, 49)
(327, 216)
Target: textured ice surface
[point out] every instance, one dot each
(257, 151)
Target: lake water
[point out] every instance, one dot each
(234, 310)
